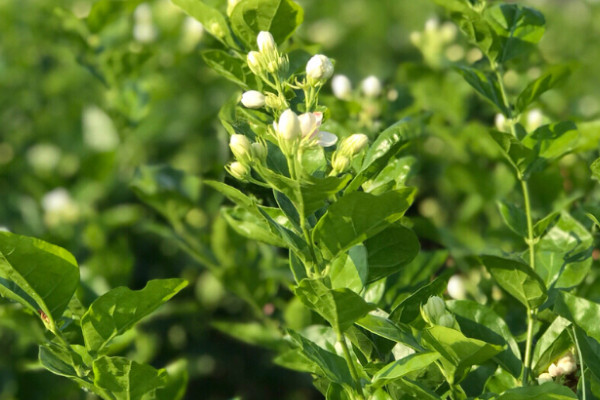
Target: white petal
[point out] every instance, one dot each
(319, 117)
(327, 139)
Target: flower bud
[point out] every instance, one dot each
(554, 370)
(274, 102)
(255, 64)
(543, 378)
(456, 288)
(371, 86)
(319, 68)
(446, 320)
(501, 122)
(259, 151)
(241, 148)
(253, 99)
(266, 43)
(308, 124)
(288, 127)
(238, 170)
(340, 163)
(341, 87)
(535, 119)
(354, 144)
(434, 309)
(567, 364)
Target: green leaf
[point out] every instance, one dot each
(120, 309)
(39, 275)
(549, 79)
(522, 158)
(403, 367)
(563, 255)
(481, 322)
(126, 379)
(458, 351)
(213, 21)
(390, 250)
(583, 313)
(590, 351)
(518, 279)
(177, 381)
(104, 12)
(350, 270)
(554, 140)
(547, 391)
(385, 328)
(595, 168)
(280, 17)
(485, 85)
(253, 333)
(251, 226)
(514, 218)
(409, 309)
(553, 343)
(358, 216)
(330, 365)
(340, 307)
(230, 67)
(385, 147)
(517, 29)
(393, 176)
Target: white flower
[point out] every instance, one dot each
(241, 148)
(543, 378)
(56, 200)
(371, 86)
(456, 287)
(554, 370)
(266, 43)
(309, 128)
(341, 87)
(535, 119)
(319, 68)
(567, 364)
(253, 99)
(501, 122)
(288, 127)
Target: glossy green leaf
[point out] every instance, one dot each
(393, 176)
(547, 391)
(522, 158)
(409, 307)
(390, 250)
(177, 380)
(595, 168)
(403, 367)
(590, 351)
(126, 379)
(549, 79)
(485, 85)
(330, 365)
(251, 226)
(481, 322)
(554, 140)
(458, 351)
(517, 30)
(280, 17)
(518, 279)
(340, 307)
(514, 218)
(253, 333)
(387, 145)
(583, 313)
(554, 342)
(385, 328)
(358, 216)
(120, 309)
(350, 270)
(39, 275)
(212, 20)
(230, 67)
(563, 254)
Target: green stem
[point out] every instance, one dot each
(581, 364)
(342, 340)
(528, 346)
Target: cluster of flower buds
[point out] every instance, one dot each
(267, 58)
(434, 313)
(346, 151)
(246, 154)
(294, 130)
(370, 87)
(566, 365)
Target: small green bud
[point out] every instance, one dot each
(259, 151)
(238, 170)
(255, 62)
(340, 163)
(354, 144)
(273, 101)
(241, 148)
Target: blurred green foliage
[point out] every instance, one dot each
(90, 91)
